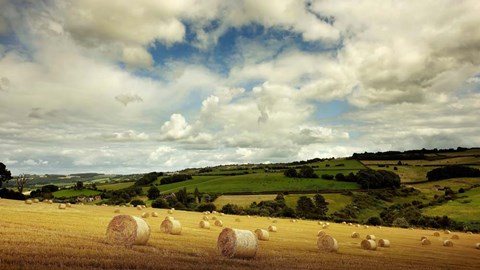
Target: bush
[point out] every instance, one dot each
(453, 171)
(175, 179)
(377, 179)
(160, 203)
(206, 207)
(137, 202)
(400, 222)
(290, 172)
(375, 221)
(327, 176)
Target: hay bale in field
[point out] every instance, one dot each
(170, 211)
(154, 214)
(204, 224)
(411, 228)
(469, 232)
(328, 224)
(365, 226)
(368, 245)
(327, 244)
(145, 215)
(237, 220)
(262, 234)
(477, 245)
(455, 236)
(293, 220)
(139, 207)
(447, 232)
(370, 237)
(214, 212)
(350, 224)
(344, 223)
(325, 226)
(222, 214)
(28, 201)
(206, 212)
(69, 205)
(214, 218)
(169, 218)
(274, 221)
(62, 206)
(116, 210)
(171, 227)
(383, 243)
(45, 201)
(272, 228)
(50, 201)
(234, 243)
(320, 223)
(448, 243)
(36, 201)
(128, 230)
(321, 233)
(436, 234)
(426, 242)
(423, 237)
(357, 225)
(205, 218)
(355, 235)
(218, 223)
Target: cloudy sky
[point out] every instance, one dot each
(135, 86)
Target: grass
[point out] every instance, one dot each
(407, 173)
(115, 186)
(265, 182)
(74, 193)
(56, 241)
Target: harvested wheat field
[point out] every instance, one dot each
(42, 236)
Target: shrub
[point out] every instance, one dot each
(137, 202)
(400, 222)
(206, 207)
(160, 203)
(375, 221)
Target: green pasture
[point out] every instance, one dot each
(115, 186)
(74, 193)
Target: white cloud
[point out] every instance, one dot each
(176, 128)
(160, 152)
(128, 98)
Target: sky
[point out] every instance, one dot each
(125, 86)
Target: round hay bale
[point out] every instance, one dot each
(350, 224)
(369, 245)
(62, 206)
(469, 232)
(272, 228)
(328, 224)
(222, 214)
(204, 224)
(50, 201)
(325, 226)
(262, 234)
(269, 218)
(320, 223)
(411, 228)
(446, 232)
(139, 207)
(344, 223)
(233, 243)
(206, 212)
(116, 210)
(370, 237)
(45, 201)
(218, 223)
(128, 230)
(69, 205)
(357, 225)
(205, 218)
(154, 214)
(383, 243)
(28, 201)
(248, 216)
(293, 220)
(436, 234)
(355, 235)
(327, 244)
(477, 245)
(36, 201)
(455, 236)
(365, 226)
(237, 220)
(171, 227)
(145, 215)
(214, 212)
(214, 218)
(170, 211)
(426, 242)
(169, 218)
(448, 243)
(321, 233)
(423, 237)
(274, 221)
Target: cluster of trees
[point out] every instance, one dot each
(304, 172)
(148, 178)
(45, 192)
(175, 178)
(121, 196)
(183, 200)
(452, 171)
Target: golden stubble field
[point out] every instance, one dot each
(41, 236)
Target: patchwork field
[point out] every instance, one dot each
(41, 236)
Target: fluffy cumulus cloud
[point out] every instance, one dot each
(134, 86)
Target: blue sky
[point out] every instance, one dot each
(136, 86)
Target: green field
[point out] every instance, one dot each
(74, 193)
(265, 182)
(115, 186)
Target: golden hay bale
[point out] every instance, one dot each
(350, 224)
(370, 237)
(320, 223)
(325, 226)
(144, 206)
(36, 201)
(383, 243)
(206, 212)
(272, 228)
(28, 201)
(469, 232)
(477, 245)
(139, 207)
(446, 232)
(237, 220)
(205, 218)
(222, 214)
(448, 243)
(171, 227)
(262, 234)
(293, 220)
(214, 218)
(328, 224)
(357, 225)
(170, 211)
(218, 223)
(365, 227)
(214, 212)
(128, 230)
(436, 234)
(234, 243)
(455, 236)
(269, 218)
(62, 206)
(50, 201)
(117, 210)
(154, 214)
(169, 218)
(355, 235)
(321, 233)
(69, 205)
(145, 215)
(426, 242)
(204, 224)
(344, 223)
(274, 221)
(327, 244)
(368, 245)
(411, 228)
(45, 201)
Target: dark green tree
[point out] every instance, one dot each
(153, 193)
(5, 174)
(290, 172)
(307, 172)
(197, 194)
(321, 204)
(280, 197)
(305, 207)
(182, 196)
(79, 185)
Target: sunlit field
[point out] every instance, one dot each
(41, 236)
